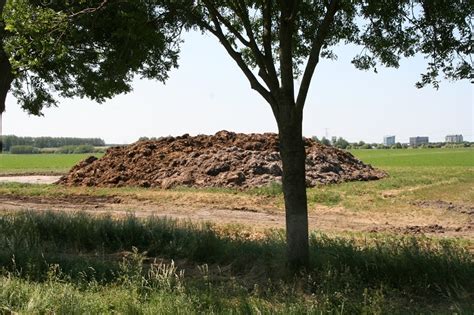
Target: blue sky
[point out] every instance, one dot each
(208, 93)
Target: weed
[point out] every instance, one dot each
(324, 197)
(272, 189)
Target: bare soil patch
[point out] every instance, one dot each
(321, 218)
(446, 206)
(225, 159)
(30, 179)
(60, 201)
(466, 229)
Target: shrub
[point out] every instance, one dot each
(47, 150)
(70, 149)
(23, 149)
(67, 149)
(100, 150)
(85, 148)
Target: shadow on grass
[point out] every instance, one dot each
(83, 247)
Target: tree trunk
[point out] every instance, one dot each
(6, 76)
(293, 157)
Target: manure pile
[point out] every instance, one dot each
(225, 159)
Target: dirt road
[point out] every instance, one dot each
(325, 219)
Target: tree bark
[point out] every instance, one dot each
(293, 157)
(6, 76)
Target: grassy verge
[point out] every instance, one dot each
(76, 263)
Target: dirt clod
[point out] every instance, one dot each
(226, 159)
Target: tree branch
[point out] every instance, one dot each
(267, 39)
(255, 85)
(287, 24)
(227, 24)
(313, 59)
(89, 10)
(267, 70)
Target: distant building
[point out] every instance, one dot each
(388, 141)
(454, 138)
(416, 141)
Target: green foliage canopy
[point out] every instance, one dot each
(85, 48)
(93, 48)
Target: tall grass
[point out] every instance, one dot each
(69, 263)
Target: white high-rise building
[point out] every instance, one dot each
(454, 139)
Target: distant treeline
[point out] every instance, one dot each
(67, 149)
(48, 142)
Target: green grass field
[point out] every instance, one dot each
(414, 174)
(417, 157)
(39, 163)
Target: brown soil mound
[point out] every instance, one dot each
(225, 159)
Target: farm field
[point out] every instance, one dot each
(445, 157)
(39, 163)
(439, 196)
(403, 244)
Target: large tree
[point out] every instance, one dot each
(275, 42)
